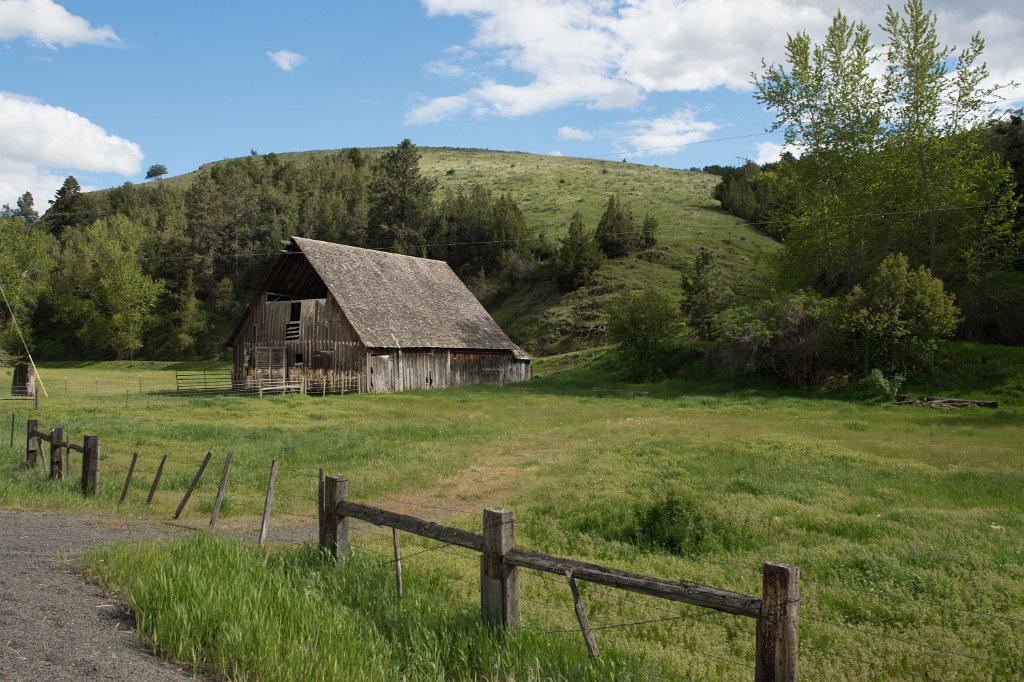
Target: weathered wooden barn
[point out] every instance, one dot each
(338, 317)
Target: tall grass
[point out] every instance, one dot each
(230, 608)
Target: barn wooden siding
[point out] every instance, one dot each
(390, 370)
(319, 346)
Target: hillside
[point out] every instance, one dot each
(548, 190)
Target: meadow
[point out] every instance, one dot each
(906, 522)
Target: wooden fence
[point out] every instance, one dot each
(777, 610)
(60, 455)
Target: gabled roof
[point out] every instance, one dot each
(396, 301)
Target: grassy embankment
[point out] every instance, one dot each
(907, 523)
(549, 189)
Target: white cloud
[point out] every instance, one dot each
(555, 152)
(570, 133)
(16, 178)
(614, 53)
(767, 152)
(47, 23)
(286, 60)
(664, 135)
(437, 109)
(35, 137)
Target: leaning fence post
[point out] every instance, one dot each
(192, 485)
(265, 522)
(398, 561)
(778, 628)
(128, 478)
(335, 528)
(499, 582)
(56, 457)
(220, 490)
(31, 443)
(156, 479)
(91, 466)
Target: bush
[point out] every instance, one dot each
(894, 322)
(643, 324)
(886, 387)
(680, 524)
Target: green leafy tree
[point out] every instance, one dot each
(579, 257)
(25, 266)
(895, 321)
(705, 296)
(399, 200)
(892, 162)
(643, 325)
(106, 297)
(156, 170)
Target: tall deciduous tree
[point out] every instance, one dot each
(25, 264)
(892, 162)
(103, 292)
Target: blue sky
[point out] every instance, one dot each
(102, 90)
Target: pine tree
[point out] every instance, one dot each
(68, 208)
(400, 200)
(704, 296)
(26, 210)
(579, 257)
(617, 234)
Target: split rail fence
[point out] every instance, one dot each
(777, 610)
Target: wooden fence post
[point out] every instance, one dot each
(56, 456)
(128, 478)
(269, 501)
(192, 485)
(31, 443)
(778, 628)
(12, 429)
(398, 562)
(335, 528)
(320, 509)
(499, 582)
(156, 479)
(220, 490)
(91, 466)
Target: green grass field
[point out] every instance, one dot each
(906, 522)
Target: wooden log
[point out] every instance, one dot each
(778, 628)
(156, 480)
(410, 524)
(265, 522)
(581, 617)
(91, 466)
(56, 456)
(220, 490)
(192, 485)
(674, 590)
(31, 443)
(128, 478)
(499, 581)
(398, 562)
(336, 523)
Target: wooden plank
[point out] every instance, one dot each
(581, 617)
(76, 448)
(220, 490)
(674, 590)
(156, 479)
(91, 466)
(398, 562)
(192, 485)
(128, 478)
(265, 522)
(411, 524)
(56, 456)
(499, 581)
(778, 629)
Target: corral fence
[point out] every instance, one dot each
(60, 454)
(776, 610)
(200, 381)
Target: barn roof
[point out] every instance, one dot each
(396, 301)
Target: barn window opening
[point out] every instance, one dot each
(293, 328)
(296, 311)
(298, 358)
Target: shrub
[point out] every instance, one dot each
(886, 387)
(894, 322)
(681, 524)
(643, 324)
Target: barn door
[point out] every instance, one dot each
(270, 363)
(380, 374)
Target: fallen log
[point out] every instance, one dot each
(938, 401)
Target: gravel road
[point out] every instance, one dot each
(53, 624)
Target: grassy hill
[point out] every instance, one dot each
(549, 190)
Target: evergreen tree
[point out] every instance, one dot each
(26, 209)
(705, 296)
(399, 200)
(579, 256)
(68, 208)
(618, 234)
